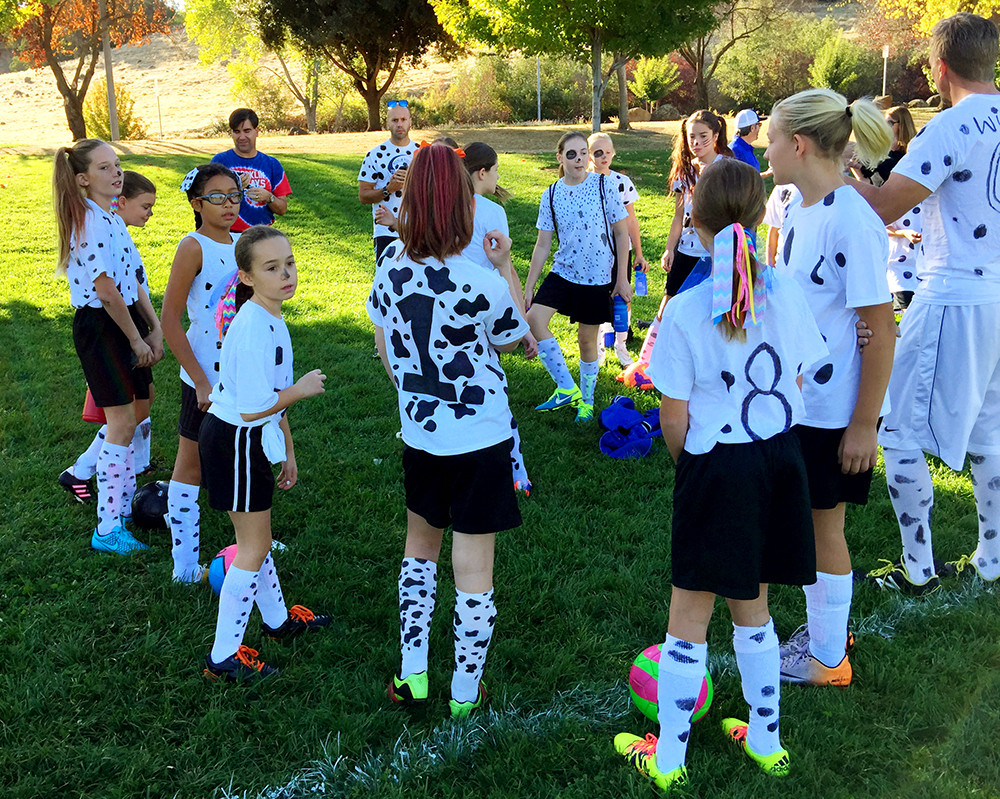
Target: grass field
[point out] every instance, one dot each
(101, 693)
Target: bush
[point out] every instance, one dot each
(97, 118)
(846, 67)
(654, 78)
(683, 97)
(344, 113)
(269, 97)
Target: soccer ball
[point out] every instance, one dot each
(642, 681)
(220, 565)
(149, 505)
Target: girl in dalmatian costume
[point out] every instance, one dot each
(244, 432)
(115, 330)
(729, 362)
(203, 265)
(440, 320)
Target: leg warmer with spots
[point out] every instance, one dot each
(828, 610)
(239, 590)
(475, 615)
(552, 359)
(110, 482)
(520, 473)
(757, 659)
(417, 594)
(912, 495)
(140, 441)
(682, 671)
(85, 466)
(183, 519)
(588, 380)
(128, 483)
(986, 485)
(270, 602)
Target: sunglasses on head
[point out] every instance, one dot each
(220, 197)
(572, 155)
(400, 103)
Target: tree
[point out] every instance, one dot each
(55, 30)
(582, 30)
(846, 67)
(367, 41)
(654, 78)
(924, 14)
(735, 21)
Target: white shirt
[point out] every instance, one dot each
(102, 247)
(689, 243)
(777, 204)
(441, 321)
(378, 167)
(256, 364)
(627, 192)
(957, 157)
(736, 392)
(903, 256)
(837, 250)
(585, 254)
(489, 216)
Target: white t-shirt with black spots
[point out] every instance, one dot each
(102, 247)
(736, 391)
(837, 250)
(218, 264)
(585, 254)
(903, 256)
(689, 243)
(489, 216)
(378, 168)
(780, 198)
(627, 191)
(441, 321)
(256, 363)
(957, 157)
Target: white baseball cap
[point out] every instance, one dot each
(748, 118)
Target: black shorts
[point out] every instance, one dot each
(742, 518)
(828, 485)
(680, 269)
(107, 357)
(142, 375)
(234, 469)
(588, 305)
(191, 418)
(472, 492)
(901, 300)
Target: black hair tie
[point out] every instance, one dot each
(849, 112)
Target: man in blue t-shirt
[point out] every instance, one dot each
(265, 187)
(747, 131)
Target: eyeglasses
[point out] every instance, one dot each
(572, 155)
(400, 103)
(893, 121)
(600, 153)
(219, 198)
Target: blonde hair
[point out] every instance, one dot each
(592, 140)
(68, 198)
(907, 130)
(828, 120)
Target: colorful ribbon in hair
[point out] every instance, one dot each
(458, 150)
(225, 304)
(731, 262)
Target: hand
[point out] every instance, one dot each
(143, 353)
(497, 248)
(244, 181)
(640, 264)
(259, 194)
(858, 448)
(155, 341)
(767, 173)
(289, 474)
(864, 334)
(396, 181)
(912, 236)
(311, 384)
(202, 392)
(667, 259)
(530, 344)
(623, 290)
(383, 216)
(529, 296)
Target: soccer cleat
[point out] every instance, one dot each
(584, 412)
(641, 753)
(244, 666)
(300, 619)
(411, 691)
(80, 489)
(193, 576)
(799, 640)
(966, 568)
(775, 764)
(801, 668)
(118, 542)
(896, 577)
(462, 710)
(561, 398)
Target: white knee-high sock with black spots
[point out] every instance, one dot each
(270, 601)
(986, 486)
(912, 495)
(417, 595)
(682, 671)
(128, 483)
(183, 519)
(140, 442)
(551, 356)
(588, 379)
(520, 473)
(757, 659)
(828, 611)
(110, 480)
(239, 590)
(475, 615)
(85, 466)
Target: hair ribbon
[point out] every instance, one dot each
(457, 150)
(733, 251)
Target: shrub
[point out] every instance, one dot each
(846, 67)
(344, 113)
(683, 96)
(98, 120)
(654, 78)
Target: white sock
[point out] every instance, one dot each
(621, 348)
(912, 495)
(475, 615)
(140, 442)
(110, 479)
(682, 671)
(828, 610)
(128, 483)
(85, 466)
(757, 659)
(270, 602)
(183, 519)
(986, 486)
(518, 470)
(552, 359)
(417, 595)
(236, 599)
(588, 379)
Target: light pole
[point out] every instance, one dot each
(885, 65)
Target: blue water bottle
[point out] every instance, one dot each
(620, 321)
(640, 283)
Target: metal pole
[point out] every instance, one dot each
(156, 90)
(538, 84)
(885, 65)
(108, 69)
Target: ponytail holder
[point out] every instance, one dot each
(733, 250)
(849, 112)
(457, 150)
(189, 179)
(423, 144)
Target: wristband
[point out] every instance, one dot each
(385, 193)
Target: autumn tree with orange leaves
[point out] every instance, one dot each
(66, 36)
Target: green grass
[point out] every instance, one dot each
(100, 658)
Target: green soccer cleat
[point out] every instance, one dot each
(641, 753)
(411, 691)
(561, 398)
(462, 710)
(584, 412)
(776, 764)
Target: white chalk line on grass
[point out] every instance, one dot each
(420, 753)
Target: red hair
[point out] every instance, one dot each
(435, 215)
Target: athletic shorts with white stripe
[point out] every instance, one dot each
(234, 469)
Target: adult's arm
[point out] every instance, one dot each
(894, 197)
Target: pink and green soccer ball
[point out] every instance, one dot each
(220, 565)
(642, 680)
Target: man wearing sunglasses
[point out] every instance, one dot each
(380, 181)
(265, 186)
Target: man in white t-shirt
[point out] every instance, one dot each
(945, 386)
(380, 181)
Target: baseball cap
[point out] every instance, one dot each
(747, 118)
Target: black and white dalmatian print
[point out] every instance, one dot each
(417, 596)
(904, 254)
(102, 247)
(378, 167)
(475, 617)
